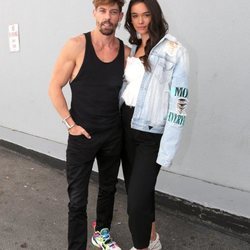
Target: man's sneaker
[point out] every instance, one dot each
(154, 244)
(103, 240)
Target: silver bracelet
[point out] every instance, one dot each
(67, 124)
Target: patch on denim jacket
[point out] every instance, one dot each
(171, 48)
(181, 103)
(179, 91)
(181, 106)
(176, 118)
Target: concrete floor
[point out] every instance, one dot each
(33, 213)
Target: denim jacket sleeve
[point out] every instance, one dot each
(178, 99)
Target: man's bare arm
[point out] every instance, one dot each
(62, 74)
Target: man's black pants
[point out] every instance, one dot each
(105, 146)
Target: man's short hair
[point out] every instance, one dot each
(120, 3)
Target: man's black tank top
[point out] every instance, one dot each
(95, 90)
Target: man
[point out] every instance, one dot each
(93, 64)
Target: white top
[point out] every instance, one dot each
(133, 73)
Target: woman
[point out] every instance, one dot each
(154, 98)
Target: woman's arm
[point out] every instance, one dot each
(177, 110)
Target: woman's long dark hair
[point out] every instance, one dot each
(158, 27)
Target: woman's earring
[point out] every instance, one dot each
(138, 35)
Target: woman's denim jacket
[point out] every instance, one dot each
(162, 99)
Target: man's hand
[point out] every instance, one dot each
(78, 130)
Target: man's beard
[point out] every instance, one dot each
(107, 31)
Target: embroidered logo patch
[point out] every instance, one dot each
(181, 103)
(181, 106)
(179, 91)
(171, 48)
(176, 118)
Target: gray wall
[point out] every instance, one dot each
(212, 165)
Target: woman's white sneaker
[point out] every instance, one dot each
(154, 244)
